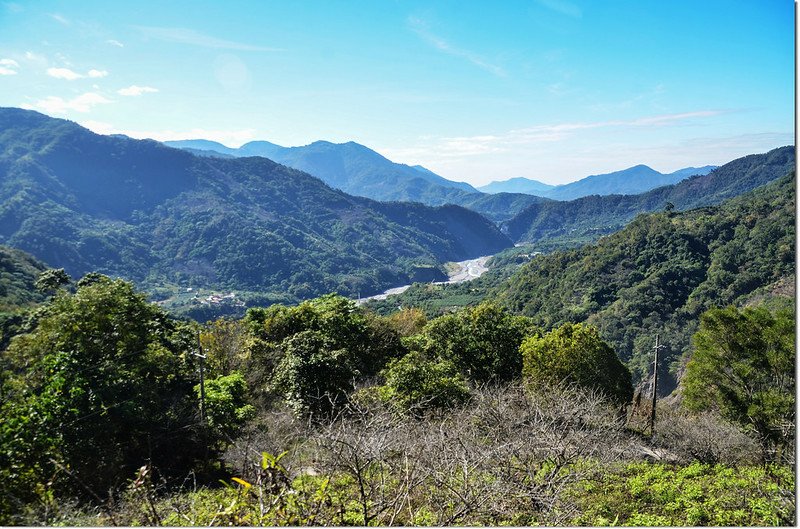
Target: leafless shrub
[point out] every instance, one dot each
(704, 437)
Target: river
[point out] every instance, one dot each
(464, 271)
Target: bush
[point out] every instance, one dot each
(574, 353)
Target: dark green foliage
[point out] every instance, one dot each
(589, 218)
(482, 342)
(743, 364)
(100, 387)
(315, 352)
(51, 280)
(576, 354)
(157, 215)
(417, 383)
(661, 272)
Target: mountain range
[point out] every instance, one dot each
(360, 171)
(631, 181)
(162, 216)
(351, 167)
(570, 223)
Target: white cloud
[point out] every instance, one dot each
(70, 75)
(115, 42)
(63, 73)
(56, 105)
(134, 90)
(8, 67)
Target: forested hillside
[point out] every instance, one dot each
(160, 216)
(659, 273)
(558, 224)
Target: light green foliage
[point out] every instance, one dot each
(414, 382)
(226, 403)
(575, 353)
(647, 494)
(482, 342)
(744, 365)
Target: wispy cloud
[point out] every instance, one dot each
(56, 105)
(562, 6)
(8, 67)
(115, 42)
(420, 27)
(60, 19)
(70, 75)
(195, 38)
(135, 90)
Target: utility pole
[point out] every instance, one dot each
(655, 388)
(199, 354)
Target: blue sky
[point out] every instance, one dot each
(477, 91)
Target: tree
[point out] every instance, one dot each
(743, 365)
(575, 353)
(52, 279)
(482, 342)
(415, 381)
(102, 386)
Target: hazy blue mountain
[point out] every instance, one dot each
(517, 185)
(588, 218)
(631, 181)
(353, 168)
(162, 216)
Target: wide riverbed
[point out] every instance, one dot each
(463, 271)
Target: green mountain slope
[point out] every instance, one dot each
(586, 219)
(658, 274)
(18, 273)
(159, 216)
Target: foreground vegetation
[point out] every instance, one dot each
(324, 413)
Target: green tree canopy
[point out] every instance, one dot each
(101, 386)
(575, 353)
(482, 342)
(744, 365)
(415, 381)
